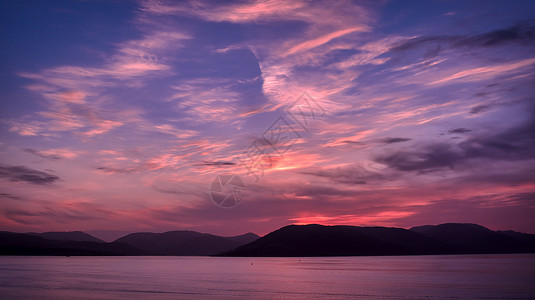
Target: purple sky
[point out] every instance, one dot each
(117, 115)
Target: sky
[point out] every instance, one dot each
(119, 116)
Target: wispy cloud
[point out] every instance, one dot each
(486, 72)
(25, 174)
(78, 96)
(251, 11)
(304, 46)
(53, 154)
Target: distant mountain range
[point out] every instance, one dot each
(452, 238)
(143, 243)
(31, 244)
(184, 242)
(75, 236)
(292, 240)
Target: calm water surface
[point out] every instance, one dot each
(388, 277)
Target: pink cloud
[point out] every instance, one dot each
(178, 133)
(67, 88)
(246, 12)
(358, 137)
(71, 96)
(487, 72)
(25, 129)
(56, 153)
(102, 126)
(207, 100)
(383, 218)
(316, 42)
(370, 52)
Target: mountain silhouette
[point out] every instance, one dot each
(473, 238)
(30, 244)
(320, 240)
(77, 236)
(144, 243)
(185, 242)
(292, 240)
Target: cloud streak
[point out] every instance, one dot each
(25, 174)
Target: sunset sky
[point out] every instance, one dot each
(118, 115)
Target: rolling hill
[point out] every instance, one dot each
(185, 242)
(320, 240)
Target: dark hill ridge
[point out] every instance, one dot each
(185, 242)
(77, 236)
(244, 238)
(473, 238)
(79, 243)
(29, 244)
(315, 240)
(519, 235)
(319, 240)
(293, 240)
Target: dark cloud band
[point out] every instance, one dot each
(25, 174)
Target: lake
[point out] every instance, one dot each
(510, 276)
